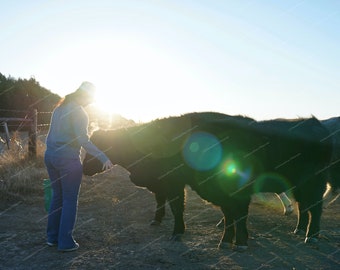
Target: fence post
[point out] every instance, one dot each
(8, 138)
(32, 142)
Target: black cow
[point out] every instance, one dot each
(333, 126)
(225, 161)
(141, 176)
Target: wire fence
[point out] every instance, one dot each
(27, 122)
(21, 123)
(37, 123)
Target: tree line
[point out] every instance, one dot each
(18, 97)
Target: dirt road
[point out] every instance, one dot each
(114, 233)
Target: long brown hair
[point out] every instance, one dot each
(69, 98)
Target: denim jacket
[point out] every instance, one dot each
(69, 132)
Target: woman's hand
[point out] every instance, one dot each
(115, 170)
(107, 165)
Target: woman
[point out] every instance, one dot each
(67, 134)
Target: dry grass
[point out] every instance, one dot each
(21, 176)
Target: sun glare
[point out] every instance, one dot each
(136, 81)
(135, 78)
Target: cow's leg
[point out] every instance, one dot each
(310, 209)
(241, 216)
(229, 229)
(314, 224)
(160, 211)
(302, 219)
(335, 176)
(315, 209)
(330, 196)
(176, 199)
(334, 192)
(309, 216)
(302, 212)
(235, 218)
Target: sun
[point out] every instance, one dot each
(138, 79)
(131, 77)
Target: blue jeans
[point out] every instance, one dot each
(65, 175)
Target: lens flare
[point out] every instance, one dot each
(194, 147)
(202, 151)
(271, 182)
(236, 172)
(230, 167)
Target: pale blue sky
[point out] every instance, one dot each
(151, 59)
